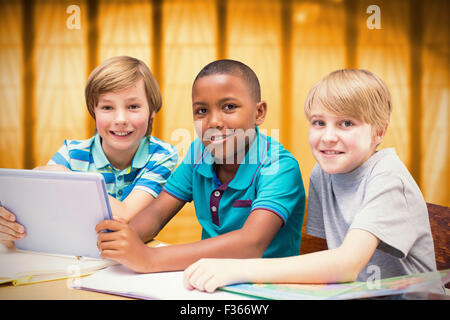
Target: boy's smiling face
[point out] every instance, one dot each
(122, 119)
(225, 113)
(340, 144)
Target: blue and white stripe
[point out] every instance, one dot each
(151, 166)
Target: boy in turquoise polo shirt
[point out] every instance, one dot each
(247, 189)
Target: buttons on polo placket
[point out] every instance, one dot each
(120, 183)
(215, 198)
(216, 194)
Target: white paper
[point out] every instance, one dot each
(15, 263)
(164, 285)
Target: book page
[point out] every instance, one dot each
(352, 290)
(164, 285)
(16, 263)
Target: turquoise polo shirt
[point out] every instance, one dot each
(269, 179)
(150, 167)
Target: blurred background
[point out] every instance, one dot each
(48, 48)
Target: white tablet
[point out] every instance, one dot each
(59, 210)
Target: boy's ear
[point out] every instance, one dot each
(379, 134)
(261, 111)
(152, 116)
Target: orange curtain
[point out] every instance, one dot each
(321, 36)
(11, 92)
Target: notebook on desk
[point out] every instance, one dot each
(121, 281)
(59, 211)
(420, 282)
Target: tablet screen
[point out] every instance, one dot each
(59, 210)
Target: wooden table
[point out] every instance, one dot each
(55, 290)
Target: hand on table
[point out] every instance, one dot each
(210, 274)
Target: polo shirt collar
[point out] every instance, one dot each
(100, 159)
(246, 171)
(139, 159)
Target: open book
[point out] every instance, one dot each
(119, 280)
(24, 267)
(353, 290)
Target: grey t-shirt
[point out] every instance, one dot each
(382, 198)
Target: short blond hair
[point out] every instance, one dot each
(118, 73)
(355, 93)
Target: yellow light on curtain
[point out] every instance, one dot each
(436, 104)
(60, 68)
(11, 135)
(189, 43)
(318, 48)
(125, 29)
(385, 52)
(320, 38)
(254, 38)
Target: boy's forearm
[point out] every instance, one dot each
(151, 219)
(328, 266)
(52, 167)
(119, 209)
(146, 224)
(130, 207)
(342, 264)
(179, 257)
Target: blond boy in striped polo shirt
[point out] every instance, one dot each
(123, 97)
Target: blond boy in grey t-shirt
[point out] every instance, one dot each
(379, 197)
(362, 201)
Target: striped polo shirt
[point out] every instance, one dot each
(150, 168)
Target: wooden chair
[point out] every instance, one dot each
(309, 243)
(440, 229)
